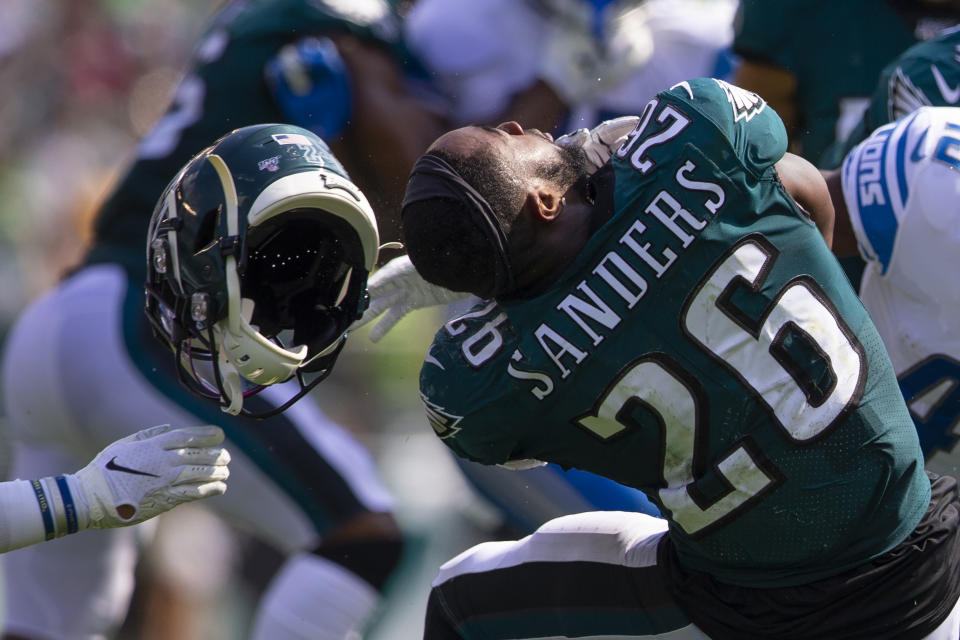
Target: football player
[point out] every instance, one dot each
(895, 199)
(82, 364)
(675, 322)
(785, 48)
(130, 481)
(926, 74)
(527, 496)
(564, 64)
(560, 65)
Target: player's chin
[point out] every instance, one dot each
(575, 160)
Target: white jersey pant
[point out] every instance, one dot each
(71, 386)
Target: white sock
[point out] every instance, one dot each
(312, 598)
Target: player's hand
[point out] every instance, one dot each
(602, 141)
(152, 471)
(395, 290)
(310, 83)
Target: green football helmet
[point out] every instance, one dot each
(257, 255)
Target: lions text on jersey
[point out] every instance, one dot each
(900, 187)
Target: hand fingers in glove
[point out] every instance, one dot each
(391, 276)
(199, 436)
(386, 323)
(146, 434)
(379, 302)
(609, 131)
(573, 139)
(205, 455)
(188, 492)
(201, 474)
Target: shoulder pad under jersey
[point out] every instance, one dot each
(752, 127)
(883, 175)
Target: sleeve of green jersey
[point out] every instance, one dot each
(745, 121)
(462, 409)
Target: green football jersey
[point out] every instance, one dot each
(706, 348)
(223, 89)
(927, 74)
(835, 50)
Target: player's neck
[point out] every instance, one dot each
(540, 264)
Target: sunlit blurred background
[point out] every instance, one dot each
(83, 81)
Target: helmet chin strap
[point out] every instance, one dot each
(230, 384)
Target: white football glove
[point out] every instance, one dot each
(602, 141)
(152, 471)
(395, 290)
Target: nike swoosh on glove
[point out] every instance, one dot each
(601, 142)
(152, 471)
(395, 290)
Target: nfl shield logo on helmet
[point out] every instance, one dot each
(270, 164)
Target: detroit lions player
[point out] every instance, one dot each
(675, 322)
(82, 366)
(563, 64)
(896, 198)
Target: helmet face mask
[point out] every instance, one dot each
(258, 254)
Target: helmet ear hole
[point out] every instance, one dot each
(206, 234)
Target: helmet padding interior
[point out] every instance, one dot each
(304, 271)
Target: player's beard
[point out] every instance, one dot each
(572, 166)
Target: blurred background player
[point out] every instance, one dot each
(816, 62)
(560, 65)
(302, 485)
(926, 74)
(785, 48)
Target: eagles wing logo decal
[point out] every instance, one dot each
(746, 104)
(903, 96)
(443, 423)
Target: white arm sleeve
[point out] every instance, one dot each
(21, 519)
(172, 466)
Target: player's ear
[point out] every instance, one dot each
(542, 205)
